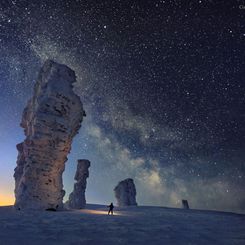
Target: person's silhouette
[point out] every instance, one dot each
(110, 209)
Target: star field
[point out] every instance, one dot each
(162, 83)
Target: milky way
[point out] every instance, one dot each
(162, 83)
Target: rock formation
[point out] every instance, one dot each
(77, 197)
(125, 193)
(50, 120)
(185, 204)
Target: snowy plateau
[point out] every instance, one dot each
(129, 225)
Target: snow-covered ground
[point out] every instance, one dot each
(135, 225)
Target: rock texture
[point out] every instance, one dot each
(77, 197)
(50, 120)
(125, 193)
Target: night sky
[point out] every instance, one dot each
(162, 84)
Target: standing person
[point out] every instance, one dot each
(110, 209)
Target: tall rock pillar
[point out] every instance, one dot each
(77, 197)
(50, 120)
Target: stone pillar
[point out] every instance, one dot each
(125, 193)
(77, 197)
(185, 204)
(50, 120)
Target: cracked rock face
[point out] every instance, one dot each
(77, 197)
(50, 120)
(125, 193)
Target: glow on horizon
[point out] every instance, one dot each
(7, 199)
(99, 212)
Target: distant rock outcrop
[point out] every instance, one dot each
(50, 120)
(125, 193)
(185, 204)
(77, 197)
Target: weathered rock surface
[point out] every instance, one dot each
(125, 193)
(50, 120)
(77, 197)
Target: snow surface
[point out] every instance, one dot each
(130, 225)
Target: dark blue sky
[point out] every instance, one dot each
(162, 83)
